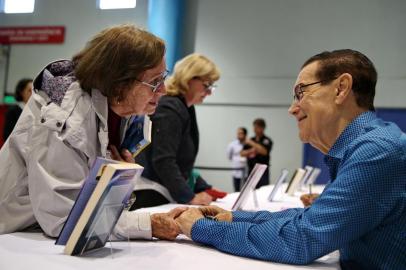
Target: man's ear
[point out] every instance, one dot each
(344, 87)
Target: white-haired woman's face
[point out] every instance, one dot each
(142, 97)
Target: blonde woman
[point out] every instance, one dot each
(170, 158)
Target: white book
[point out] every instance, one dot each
(278, 184)
(308, 170)
(313, 176)
(249, 185)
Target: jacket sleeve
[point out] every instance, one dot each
(201, 185)
(167, 131)
(56, 172)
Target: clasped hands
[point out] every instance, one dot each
(169, 225)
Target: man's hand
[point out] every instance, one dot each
(187, 219)
(308, 199)
(164, 225)
(124, 156)
(202, 198)
(219, 213)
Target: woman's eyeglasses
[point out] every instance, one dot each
(157, 83)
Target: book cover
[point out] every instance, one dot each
(138, 135)
(249, 185)
(115, 182)
(294, 183)
(278, 184)
(291, 180)
(87, 189)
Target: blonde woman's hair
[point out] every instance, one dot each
(192, 66)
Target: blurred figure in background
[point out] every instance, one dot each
(258, 149)
(234, 155)
(22, 94)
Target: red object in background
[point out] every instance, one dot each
(32, 34)
(215, 193)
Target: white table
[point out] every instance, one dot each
(31, 251)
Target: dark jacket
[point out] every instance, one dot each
(170, 157)
(12, 115)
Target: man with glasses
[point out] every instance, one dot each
(362, 212)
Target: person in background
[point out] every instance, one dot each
(257, 150)
(168, 161)
(22, 94)
(233, 153)
(362, 212)
(78, 111)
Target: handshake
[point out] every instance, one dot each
(180, 220)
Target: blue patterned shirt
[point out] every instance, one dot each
(362, 212)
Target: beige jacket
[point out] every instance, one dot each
(47, 157)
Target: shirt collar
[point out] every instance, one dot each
(100, 105)
(350, 133)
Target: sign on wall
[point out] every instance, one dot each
(32, 35)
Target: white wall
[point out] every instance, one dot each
(259, 46)
(81, 18)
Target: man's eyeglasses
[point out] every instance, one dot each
(299, 89)
(157, 83)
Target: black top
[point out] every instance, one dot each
(170, 157)
(12, 115)
(262, 159)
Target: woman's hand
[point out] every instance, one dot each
(124, 156)
(201, 198)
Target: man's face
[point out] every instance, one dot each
(315, 112)
(240, 135)
(258, 130)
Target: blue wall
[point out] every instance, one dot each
(165, 19)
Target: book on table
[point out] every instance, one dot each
(138, 135)
(278, 184)
(104, 195)
(308, 171)
(249, 185)
(295, 181)
(313, 176)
